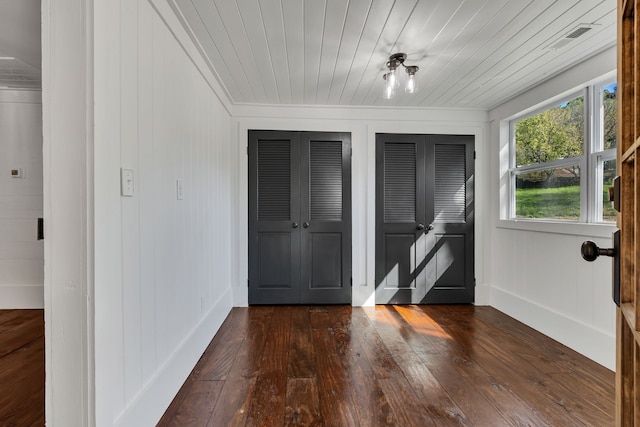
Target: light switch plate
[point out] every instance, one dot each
(17, 173)
(126, 182)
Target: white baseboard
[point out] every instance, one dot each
(21, 296)
(149, 406)
(482, 295)
(595, 344)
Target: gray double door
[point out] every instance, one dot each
(424, 219)
(299, 217)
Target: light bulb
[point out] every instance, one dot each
(411, 86)
(390, 86)
(389, 91)
(392, 78)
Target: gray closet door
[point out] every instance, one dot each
(326, 218)
(274, 217)
(424, 219)
(305, 257)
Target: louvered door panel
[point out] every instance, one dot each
(450, 195)
(274, 180)
(325, 180)
(400, 182)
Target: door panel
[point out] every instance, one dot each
(326, 260)
(274, 217)
(400, 218)
(326, 214)
(299, 217)
(400, 261)
(450, 257)
(450, 183)
(424, 219)
(453, 218)
(274, 255)
(400, 171)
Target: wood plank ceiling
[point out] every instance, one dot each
(471, 53)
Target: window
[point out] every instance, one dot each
(562, 158)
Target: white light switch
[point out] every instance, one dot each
(126, 182)
(179, 189)
(17, 173)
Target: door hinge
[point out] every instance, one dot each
(474, 154)
(247, 283)
(351, 281)
(40, 228)
(351, 152)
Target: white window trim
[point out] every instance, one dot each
(590, 162)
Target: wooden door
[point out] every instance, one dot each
(299, 217)
(628, 151)
(424, 219)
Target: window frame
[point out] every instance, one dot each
(590, 162)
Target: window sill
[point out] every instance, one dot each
(559, 227)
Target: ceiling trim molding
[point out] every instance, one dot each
(339, 112)
(23, 96)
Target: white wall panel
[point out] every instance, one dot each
(163, 273)
(21, 254)
(535, 271)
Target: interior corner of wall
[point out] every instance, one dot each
(241, 295)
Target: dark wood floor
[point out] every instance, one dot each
(389, 365)
(21, 368)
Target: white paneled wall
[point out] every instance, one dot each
(21, 254)
(541, 279)
(163, 264)
(534, 269)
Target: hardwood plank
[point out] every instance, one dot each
(301, 358)
(302, 403)
(223, 348)
(21, 367)
(406, 407)
(233, 406)
(267, 406)
(334, 388)
(372, 406)
(19, 327)
(224, 354)
(197, 405)
(22, 385)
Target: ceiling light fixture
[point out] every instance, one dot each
(392, 78)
